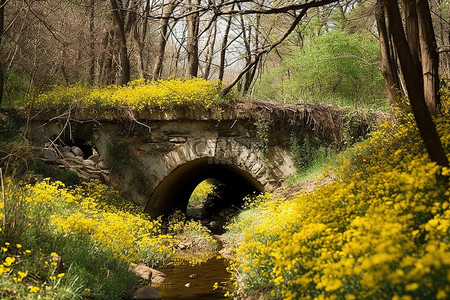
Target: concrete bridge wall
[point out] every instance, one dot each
(168, 154)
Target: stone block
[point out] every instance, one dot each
(77, 151)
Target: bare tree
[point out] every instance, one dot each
(163, 37)
(92, 42)
(388, 60)
(119, 18)
(139, 35)
(266, 50)
(224, 47)
(210, 44)
(2, 25)
(193, 24)
(441, 18)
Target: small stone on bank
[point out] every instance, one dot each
(88, 162)
(50, 154)
(77, 151)
(102, 165)
(68, 154)
(95, 158)
(66, 149)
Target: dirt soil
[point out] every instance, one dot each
(305, 186)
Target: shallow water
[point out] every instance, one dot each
(200, 279)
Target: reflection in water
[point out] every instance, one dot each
(195, 282)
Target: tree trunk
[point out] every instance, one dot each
(106, 60)
(92, 43)
(210, 54)
(192, 39)
(429, 56)
(412, 72)
(411, 26)
(245, 85)
(388, 61)
(163, 36)
(265, 50)
(124, 59)
(223, 48)
(251, 75)
(2, 24)
(140, 41)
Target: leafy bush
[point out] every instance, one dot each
(335, 67)
(139, 94)
(118, 154)
(380, 231)
(16, 87)
(16, 155)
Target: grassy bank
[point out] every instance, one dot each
(381, 230)
(61, 243)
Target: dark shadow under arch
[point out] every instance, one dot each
(174, 191)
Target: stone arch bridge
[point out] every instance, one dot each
(157, 158)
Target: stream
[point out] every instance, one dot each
(195, 282)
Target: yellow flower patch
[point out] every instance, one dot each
(380, 231)
(137, 95)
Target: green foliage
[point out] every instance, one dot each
(16, 155)
(335, 67)
(16, 87)
(42, 170)
(310, 157)
(263, 132)
(94, 233)
(84, 268)
(118, 154)
(303, 149)
(380, 231)
(69, 178)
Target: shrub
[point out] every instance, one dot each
(336, 68)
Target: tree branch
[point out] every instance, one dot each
(265, 50)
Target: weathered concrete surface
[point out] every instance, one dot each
(246, 145)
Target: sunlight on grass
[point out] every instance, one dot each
(380, 231)
(74, 243)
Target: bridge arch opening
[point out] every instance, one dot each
(203, 198)
(174, 191)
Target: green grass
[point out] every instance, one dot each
(320, 161)
(89, 270)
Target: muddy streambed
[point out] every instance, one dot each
(195, 282)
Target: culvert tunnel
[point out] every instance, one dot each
(175, 189)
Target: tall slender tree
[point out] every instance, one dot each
(388, 61)
(92, 42)
(119, 18)
(413, 66)
(163, 37)
(193, 24)
(2, 25)
(223, 47)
